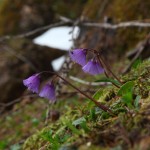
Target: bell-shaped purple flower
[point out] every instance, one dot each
(79, 56)
(32, 83)
(93, 67)
(48, 91)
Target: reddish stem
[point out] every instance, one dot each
(103, 107)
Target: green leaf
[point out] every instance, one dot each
(92, 114)
(72, 127)
(82, 122)
(116, 148)
(105, 115)
(3, 144)
(126, 88)
(136, 101)
(35, 121)
(15, 147)
(126, 92)
(127, 99)
(98, 94)
(47, 135)
(84, 126)
(136, 63)
(65, 138)
(105, 79)
(54, 140)
(79, 121)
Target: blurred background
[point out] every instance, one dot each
(36, 35)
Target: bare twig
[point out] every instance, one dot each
(3, 106)
(65, 21)
(28, 34)
(88, 83)
(16, 100)
(20, 57)
(75, 24)
(139, 51)
(10, 103)
(133, 60)
(119, 25)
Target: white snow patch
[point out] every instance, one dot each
(58, 37)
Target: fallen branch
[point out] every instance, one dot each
(119, 25)
(3, 106)
(28, 34)
(139, 50)
(88, 83)
(65, 21)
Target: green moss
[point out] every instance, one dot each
(105, 94)
(103, 129)
(83, 125)
(89, 147)
(19, 123)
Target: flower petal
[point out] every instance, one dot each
(78, 56)
(32, 83)
(93, 67)
(48, 91)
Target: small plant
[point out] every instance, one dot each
(126, 93)
(94, 66)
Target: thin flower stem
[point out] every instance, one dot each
(100, 61)
(103, 107)
(108, 68)
(47, 113)
(104, 65)
(111, 71)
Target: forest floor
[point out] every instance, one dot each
(75, 123)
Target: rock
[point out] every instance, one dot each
(20, 59)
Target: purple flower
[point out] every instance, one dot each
(93, 67)
(79, 56)
(48, 91)
(32, 83)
